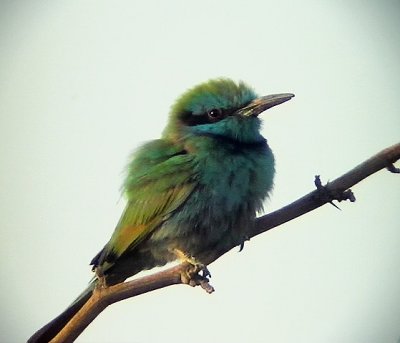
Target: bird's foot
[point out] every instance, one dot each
(392, 168)
(241, 246)
(328, 195)
(190, 275)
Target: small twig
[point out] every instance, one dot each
(325, 194)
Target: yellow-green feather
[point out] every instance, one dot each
(159, 179)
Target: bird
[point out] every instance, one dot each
(196, 189)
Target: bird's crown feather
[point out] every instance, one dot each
(219, 93)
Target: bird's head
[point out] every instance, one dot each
(221, 108)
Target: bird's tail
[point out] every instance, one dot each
(50, 330)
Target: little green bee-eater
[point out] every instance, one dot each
(196, 189)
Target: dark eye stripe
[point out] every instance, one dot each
(188, 118)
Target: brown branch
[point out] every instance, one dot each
(338, 190)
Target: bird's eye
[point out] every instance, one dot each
(215, 114)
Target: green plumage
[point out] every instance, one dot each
(196, 189)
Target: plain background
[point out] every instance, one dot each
(82, 83)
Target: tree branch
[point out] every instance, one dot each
(338, 190)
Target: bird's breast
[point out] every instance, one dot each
(231, 186)
(233, 178)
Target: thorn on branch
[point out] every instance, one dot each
(393, 169)
(318, 182)
(328, 195)
(347, 195)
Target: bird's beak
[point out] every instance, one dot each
(254, 108)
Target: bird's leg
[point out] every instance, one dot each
(190, 276)
(100, 277)
(194, 266)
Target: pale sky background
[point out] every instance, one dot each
(82, 83)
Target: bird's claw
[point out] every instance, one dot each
(191, 277)
(206, 273)
(241, 245)
(391, 167)
(192, 272)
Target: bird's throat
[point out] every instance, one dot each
(232, 130)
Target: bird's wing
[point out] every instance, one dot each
(160, 178)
